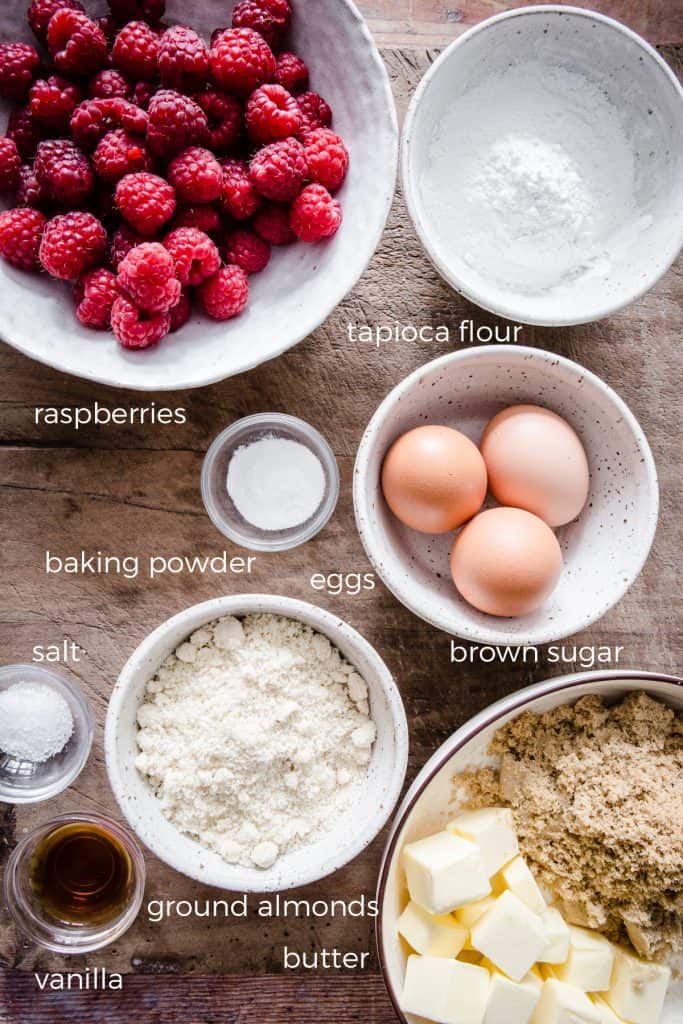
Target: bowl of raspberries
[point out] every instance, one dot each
(187, 189)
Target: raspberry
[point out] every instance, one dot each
(316, 113)
(135, 329)
(279, 170)
(19, 62)
(77, 44)
(41, 11)
(175, 122)
(272, 114)
(64, 172)
(226, 294)
(147, 274)
(183, 59)
(23, 128)
(241, 61)
(328, 158)
(120, 153)
(53, 101)
(272, 224)
(29, 191)
(138, 10)
(142, 94)
(72, 244)
(135, 51)
(291, 73)
(270, 18)
(109, 84)
(196, 176)
(10, 165)
(315, 214)
(195, 256)
(94, 119)
(247, 250)
(20, 235)
(180, 313)
(204, 218)
(95, 294)
(123, 240)
(146, 201)
(226, 119)
(217, 33)
(239, 199)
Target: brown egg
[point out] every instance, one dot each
(434, 479)
(506, 562)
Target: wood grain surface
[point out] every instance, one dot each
(135, 491)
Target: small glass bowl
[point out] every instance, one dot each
(23, 782)
(49, 932)
(220, 506)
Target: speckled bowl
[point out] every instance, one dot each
(604, 549)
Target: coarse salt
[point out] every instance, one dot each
(35, 722)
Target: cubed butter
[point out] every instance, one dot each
(445, 991)
(607, 1014)
(590, 961)
(431, 935)
(445, 871)
(558, 937)
(493, 830)
(512, 1002)
(517, 877)
(638, 989)
(564, 1004)
(469, 915)
(510, 935)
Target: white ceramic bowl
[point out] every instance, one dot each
(649, 101)
(604, 549)
(353, 832)
(428, 804)
(302, 284)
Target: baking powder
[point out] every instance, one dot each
(276, 483)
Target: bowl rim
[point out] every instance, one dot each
(409, 184)
(322, 621)
(491, 635)
(515, 702)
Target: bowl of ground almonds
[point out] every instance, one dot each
(534, 871)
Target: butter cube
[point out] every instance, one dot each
(512, 1002)
(517, 877)
(558, 936)
(469, 915)
(607, 1015)
(493, 830)
(638, 989)
(444, 872)
(445, 991)
(564, 1004)
(510, 935)
(430, 935)
(590, 961)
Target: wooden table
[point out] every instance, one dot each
(135, 490)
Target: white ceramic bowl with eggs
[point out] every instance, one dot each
(429, 803)
(604, 549)
(302, 284)
(352, 833)
(626, 250)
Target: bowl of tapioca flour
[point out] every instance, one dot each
(542, 165)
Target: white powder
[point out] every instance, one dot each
(276, 483)
(35, 722)
(256, 737)
(532, 177)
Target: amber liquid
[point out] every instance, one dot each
(82, 874)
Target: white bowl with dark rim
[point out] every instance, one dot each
(429, 803)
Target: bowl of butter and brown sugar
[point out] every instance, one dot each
(534, 871)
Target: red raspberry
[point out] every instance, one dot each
(272, 224)
(72, 244)
(24, 129)
(146, 201)
(196, 176)
(241, 61)
(10, 165)
(94, 119)
(315, 214)
(95, 294)
(180, 313)
(147, 274)
(142, 94)
(291, 73)
(40, 12)
(138, 10)
(270, 18)
(272, 114)
(77, 44)
(226, 119)
(328, 158)
(239, 199)
(135, 51)
(135, 329)
(64, 172)
(109, 84)
(175, 122)
(279, 170)
(225, 295)
(123, 240)
(29, 191)
(183, 59)
(120, 153)
(247, 250)
(217, 33)
(316, 113)
(194, 254)
(53, 101)
(20, 235)
(204, 218)
(19, 62)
